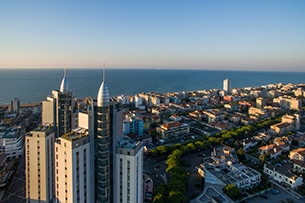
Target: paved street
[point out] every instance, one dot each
(282, 197)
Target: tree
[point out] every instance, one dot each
(176, 196)
(161, 149)
(160, 194)
(263, 158)
(241, 154)
(159, 198)
(232, 191)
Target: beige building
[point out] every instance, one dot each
(72, 167)
(257, 114)
(173, 129)
(297, 154)
(288, 102)
(39, 164)
(129, 171)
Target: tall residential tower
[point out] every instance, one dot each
(39, 164)
(57, 108)
(103, 147)
(227, 85)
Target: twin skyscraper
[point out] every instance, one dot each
(81, 155)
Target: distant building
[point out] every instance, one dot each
(129, 171)
(289, 103)
(173, 129)
(227, 85)
(133, 125)
(15, 106)
(261, 102)
(282, 128)
(39, 164)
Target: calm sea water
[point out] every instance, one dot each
(32, 86)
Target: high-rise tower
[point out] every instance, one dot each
(58, 108)
(72, 167)
(129, 168)
(39, 164)
(227, 85)
(103, 147)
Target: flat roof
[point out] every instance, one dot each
(128, 143)
(75, 134)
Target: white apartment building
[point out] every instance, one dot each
(288, 102)
(39, 164)
(129, 171)
(72, 167)
(227, 85)
(283, 174)
(173, 129)
(12, 141)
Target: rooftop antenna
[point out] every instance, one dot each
(65, 70)
(104, 73)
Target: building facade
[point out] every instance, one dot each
(39, 164)
(129, 169)
(227, 85)
(72, 167)
(103, 147)
(58, 109)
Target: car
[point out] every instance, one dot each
(274, 191)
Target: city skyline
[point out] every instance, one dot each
(212, 35)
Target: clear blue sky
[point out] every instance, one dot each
(199, 34)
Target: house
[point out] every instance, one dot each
(175, 117)
(283, 174)
(272, 149)
(247, 143)
(213, 115)
(297, 154)
(282, 128)
(298, 166)
(283, 142)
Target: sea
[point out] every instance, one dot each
(34, 85)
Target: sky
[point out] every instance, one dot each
(195, 34)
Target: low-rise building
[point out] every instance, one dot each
(242, 176)
(12, 141)
(213, 115)
(271, 149)
(283, 174)
(297, 154)
(282, 128)
(298, 166)
(248, 143)
(133, 125)
(173, 129)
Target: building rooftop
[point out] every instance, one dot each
(44, 127)
(126, 142)
(76, 134)
(11, 132)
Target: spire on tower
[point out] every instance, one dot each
(103, 93)
(104, 73)
(64, 86)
